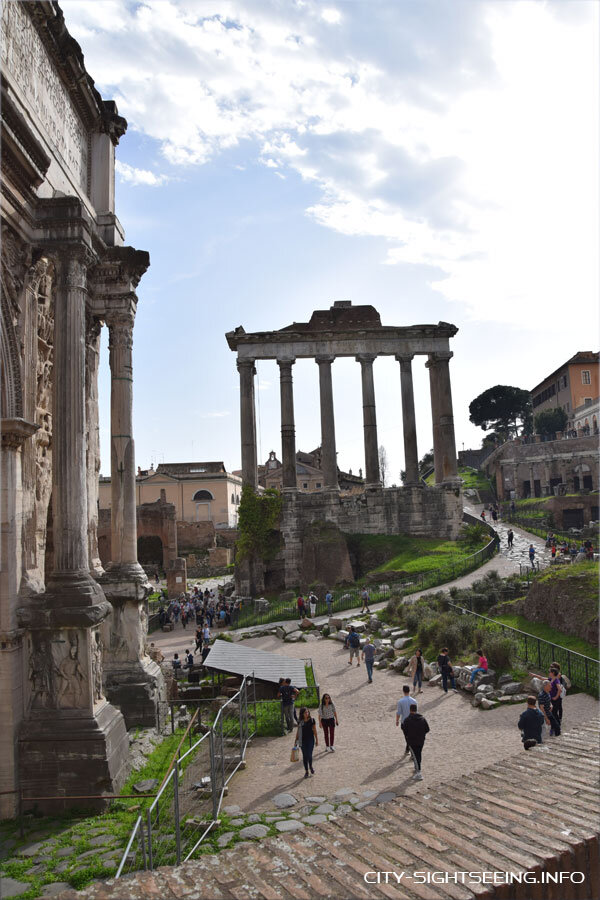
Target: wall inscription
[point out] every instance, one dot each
(28, 64)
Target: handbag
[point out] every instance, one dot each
(295, 754)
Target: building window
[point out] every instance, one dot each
(318, 484)
(587, 401)
(305, 485)
(585, 376)
(203, 495)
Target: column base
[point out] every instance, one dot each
(73, 754)
(137, 689)
(71, 600)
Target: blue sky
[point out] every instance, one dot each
(436, 159)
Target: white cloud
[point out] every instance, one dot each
(134, 176)
(215, 415)
(464, 137)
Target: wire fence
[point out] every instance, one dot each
(188, 801)
(582, 671)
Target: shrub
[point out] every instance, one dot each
(224, 637)
(473, 535)
(501, 651)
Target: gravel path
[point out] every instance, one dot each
(370, 747)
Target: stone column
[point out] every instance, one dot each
(409, 425)
(132, 680)
(248, 422)
(123, 531)
(369, 420)
(288, 431)
(92, 360)
(444, 446)
(531, 482)
(328, 452)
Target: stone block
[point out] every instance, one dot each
(512, 688)
(289, 825)
(335, 622)
(487, 704)
(341, 635)
(358, 625)
(401, 642)
(284, 800)
(254, 831)
(294, 637)
(436, 680)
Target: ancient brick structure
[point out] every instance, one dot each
(66, 631)
(534, 469)
(346, 330)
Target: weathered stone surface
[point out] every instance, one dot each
(253, 817)
(294, 637)
(436, 680)
(52, 890)
(314, 819)
(232, 810)
(315, 799)
(324, 808)
(224, 839)
(254, 831)
(289, 825)
(237, 822)
(487, 704)
(504, 679)
(385, 797)
(13, 888)
(146, 786)
(284, 800)
(401, 642)
(512, 688)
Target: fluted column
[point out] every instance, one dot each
(369, 419)
(288, 430)
(248, 422)
(444, 446)
(328, 451)
(122, 451)
(409, 424)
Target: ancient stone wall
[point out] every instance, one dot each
(572, 462)
(195, 535)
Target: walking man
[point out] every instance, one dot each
(415, 728)
(329, 602)
(364, 594)
(532, 555)
(353, 643)
(287, 694)
(510, 537)
(446, 669)
(545, 704)
(530, 724)
(403, 709)
(368, 655)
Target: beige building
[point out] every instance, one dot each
(572, 386)
(309, 474)
(200, 491)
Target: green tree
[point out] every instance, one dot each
(549, 421)
(502, 408)
(425, 463)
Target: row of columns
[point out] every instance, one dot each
(444, 447)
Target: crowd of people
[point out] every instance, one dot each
(198, 607)
(562, 548)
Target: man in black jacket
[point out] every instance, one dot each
(446, 670)
(415, 728)
(530, 724)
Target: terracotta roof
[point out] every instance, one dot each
(582, 356)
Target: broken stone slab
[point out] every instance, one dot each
(232, 810)
(488, 704)
(512, 687)
(253, 817)
(341, 635)
(284, 800)
(315, 799)
(314, 819)
(31, 849)
(436, 680)
(294, 637)
(335, 622)
(289, 825)
(401, 642)
(369, 794)
(146, 786)
(50, 890)
(307, 623)
(254, 831)
(224, 839)
(504, 679)
(485, 688)
(343, 792)
(398, 633)
(288, 627)
(477, 699)
(358, 625)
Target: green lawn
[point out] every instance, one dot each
(418, 555)
(547, 633)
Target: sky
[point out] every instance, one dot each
(434, 158)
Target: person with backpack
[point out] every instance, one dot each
(415, 669)
(532, 555)
(530, 724)
(301, 607)
(364, 595)
(446, 670)
(415, 728)
(545, 704)
(353, 644)
(312, 601)
(329, 602)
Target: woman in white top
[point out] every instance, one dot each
(328, 720)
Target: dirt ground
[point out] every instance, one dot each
(370, 748)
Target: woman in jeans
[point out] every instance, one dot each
(328, 720)
(306, 738)
(415, 669)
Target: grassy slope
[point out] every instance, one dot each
(414, 554)
(550, 634)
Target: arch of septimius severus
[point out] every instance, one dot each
(73, 670)
(354, 331)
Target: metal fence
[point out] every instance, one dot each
(188, 801)
(582, 671)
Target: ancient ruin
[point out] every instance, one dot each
(71, 635)
(355, 331)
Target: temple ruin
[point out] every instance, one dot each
(353, 331)
(71, 634)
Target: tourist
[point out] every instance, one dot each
(403, 709)
(482, 666)
(155, 654)
(557, 692)
(482, 515)
(530, 724)
(307, 739)
(364, 596)
(301, 607)
(368, 655)
(287, 693)
(510, 537)
(205, 652)
(532, 555)
(198, 640)
(329, 602)
(513, 507)
(162, 616)
(553, 552)
(415, 728)
(312, 602)
(495, 516)
(545, 704)
(189, 660)
(183, 617)
(156, 578)
(415, 669)
(206, 635)
(353, 644)
(176, 663)
(446, 670)
(328, 720)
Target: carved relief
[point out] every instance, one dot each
(41, 676)
(72, 679)
(15, 256)
(97, 653)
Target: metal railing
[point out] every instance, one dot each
(582, 671)
(188, 801)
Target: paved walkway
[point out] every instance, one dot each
(506, 562)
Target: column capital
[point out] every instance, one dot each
(72, 262)
(286, 362)
(365, 358)
(404, 358)
(324, 359)
(438, 357)
(245, 363)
